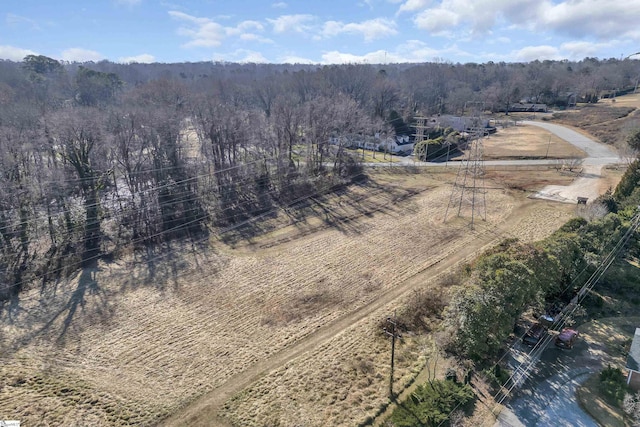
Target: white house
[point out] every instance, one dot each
(393, 144)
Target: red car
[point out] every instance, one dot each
(566, 338)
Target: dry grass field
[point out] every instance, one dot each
(275, 325)
(528, 142)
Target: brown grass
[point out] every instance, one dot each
(528, 142)
(145, 338)
(606, 121)
(591, 402)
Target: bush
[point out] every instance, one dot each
(496, 377)
(613, 386)
(432, 404)
(423, 310)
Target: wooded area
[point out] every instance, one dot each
(98, 157)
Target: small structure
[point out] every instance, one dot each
(582, 200)
(521, 107)
(633, 362)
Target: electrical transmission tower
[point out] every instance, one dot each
(468, 191)
(421, 126)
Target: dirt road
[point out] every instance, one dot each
(203, 412)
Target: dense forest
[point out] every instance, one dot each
(97, 157)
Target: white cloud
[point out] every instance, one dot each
(14, 53)
(204, 32)
(241, 55)
(370, 30)
(411, 51)
(143, 58)
(76, 54)
(279, 5)
(336, 57)
(249, 25)
(582, 49)
(255, 38)
(419, 51)
(291, 23)
(293, 59)
(16, 20)
(597, 19)
(592, 18)
(531, 53)
(413, 5)
(437, 21)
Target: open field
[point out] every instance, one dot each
(133, 341)
(528, 142)
(274, 322)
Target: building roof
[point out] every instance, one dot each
(633, 360)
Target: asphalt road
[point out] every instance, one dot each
(547, 396)
(598, 154)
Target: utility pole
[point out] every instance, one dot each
(548, 145)
(392, 330)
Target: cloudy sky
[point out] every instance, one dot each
(319, 31)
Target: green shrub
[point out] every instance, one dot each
(612, 385)
(432, 404)
(496, 377)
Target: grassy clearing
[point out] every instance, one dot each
(153, 333)
(528, 142)
(609, 122)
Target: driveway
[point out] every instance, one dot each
(547, 396)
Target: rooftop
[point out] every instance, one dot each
(633, 360)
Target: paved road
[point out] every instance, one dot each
(550, 403)
(594, 150)
(547, 396)
(598, 154)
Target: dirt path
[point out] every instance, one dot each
(203, 411)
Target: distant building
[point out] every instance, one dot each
(457, 123)
(520, 107)
(633, 362)
(397, 144)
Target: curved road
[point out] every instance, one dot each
(203, 411)
(586, 185)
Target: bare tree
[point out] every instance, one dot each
(78, 135)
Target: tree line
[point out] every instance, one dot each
(100, 156)
(515, 277)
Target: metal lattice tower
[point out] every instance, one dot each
(421, 126)
(468, 195)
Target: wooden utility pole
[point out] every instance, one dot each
(392, 330)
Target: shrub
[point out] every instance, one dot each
(432, 404)
(496, 377)
(612, 385)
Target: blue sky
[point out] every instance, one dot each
(319, 31)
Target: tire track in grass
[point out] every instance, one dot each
(205, 409)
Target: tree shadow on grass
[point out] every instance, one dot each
(340, 208)
(87, 292)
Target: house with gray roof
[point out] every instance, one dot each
(633, 362)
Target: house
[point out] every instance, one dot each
(393, 144)
(397, 144)
(459, 123)
(633, 362)
(527, 108)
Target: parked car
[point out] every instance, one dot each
(566, 338)
(535, 333)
